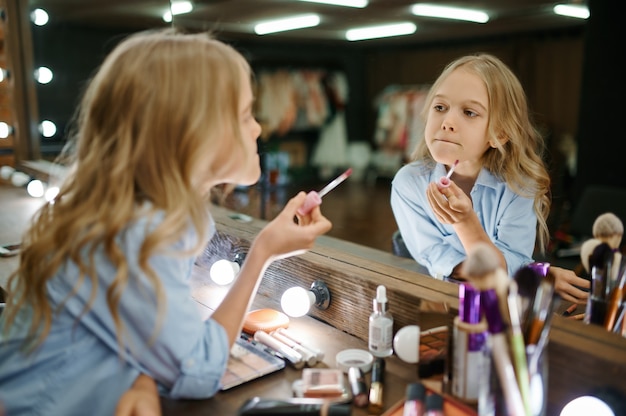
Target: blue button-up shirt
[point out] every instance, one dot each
(79, 369)
(508, 219)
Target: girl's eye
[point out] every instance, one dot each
(470, 113)
(438, 107)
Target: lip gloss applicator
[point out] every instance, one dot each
(444, 181)
(314, 198)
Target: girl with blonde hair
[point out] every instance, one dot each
(101, 294)
(477, 119)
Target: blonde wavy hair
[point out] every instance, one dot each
(519, 160)
(150, 128)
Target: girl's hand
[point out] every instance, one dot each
(291, 233)
(142, 399)
(567, 284)
(451, 205)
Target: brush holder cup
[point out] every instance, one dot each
(492, 399)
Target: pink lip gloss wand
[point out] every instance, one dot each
(444, 181)
(314, 198)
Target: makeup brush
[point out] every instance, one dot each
(518, 349)
(600, 263)
(609, 229)
(444, 181)
(541, 310)
(500, 354)
(586, 250)
(528, 279)
(484, 273)
(615, 301)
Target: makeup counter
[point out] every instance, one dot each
(582, 359)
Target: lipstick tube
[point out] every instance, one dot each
(376, 387)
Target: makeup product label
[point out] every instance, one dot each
(469, 359)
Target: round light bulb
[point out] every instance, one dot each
(39, 17)
(587, 405)
(19, 179)
(6, 172)
(51, 193)
(47, 128)
(406, 343)
(297, 301)
(43, 75)
(5, 130)
(223, 272)
(35, 188)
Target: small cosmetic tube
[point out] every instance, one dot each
(414, 401)
(376, 387)
(358, 387)
(292, 356)
(470, 335)
(434, 405)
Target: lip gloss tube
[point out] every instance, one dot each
(307, 355)
(294, 357)
(318, 353)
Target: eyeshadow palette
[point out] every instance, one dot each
(433, 351)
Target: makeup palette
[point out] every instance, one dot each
(433, 351)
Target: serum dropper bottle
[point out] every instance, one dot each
(381, 326)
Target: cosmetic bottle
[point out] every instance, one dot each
(470, 334)
(381, 326)
(414, 401)
(434, 405)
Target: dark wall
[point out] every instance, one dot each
(73, 53)
(601, 138)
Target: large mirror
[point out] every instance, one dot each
(546, 52)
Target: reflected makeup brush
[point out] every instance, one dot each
(541, 310)
(601, 265)
(615, 301)
(444, 181)
(528, 279)
(609, 229)
(314, 198)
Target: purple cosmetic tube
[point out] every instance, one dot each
(469, 357)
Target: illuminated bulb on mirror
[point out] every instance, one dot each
(223, 272)
(51, 193)
(587, 405)
(47, 128)
(297, 301)
(35, 188)
(43, 75)
(5, 130)
(39, 17)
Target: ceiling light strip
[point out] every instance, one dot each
(383, 31)
(453, 13)
(290, 23)
(572, 10)
(347, 3)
